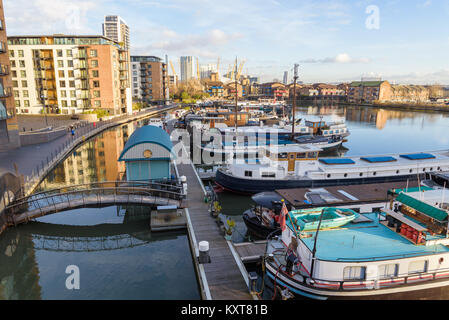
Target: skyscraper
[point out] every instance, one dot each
(188, 68)
(115, 28)
(285, 77)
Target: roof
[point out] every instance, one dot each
(366, 83)
(148, 134)
(422, 207)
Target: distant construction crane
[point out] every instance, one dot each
(174, 72)
(240, 69)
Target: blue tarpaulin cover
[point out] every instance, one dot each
(379, 159)
(337, 161)
(418, 156)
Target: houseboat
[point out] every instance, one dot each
(401, 252)
(246, 142)
(286, 167)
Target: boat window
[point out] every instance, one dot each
(312, 155)
(248, 173)
(300, 155)
(292, 156)
(387, 271)
(354, 273)
(417, 266)
(283, 155)
(268, 175)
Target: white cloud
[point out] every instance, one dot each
(340, 58)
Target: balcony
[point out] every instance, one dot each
(80, 56)
(5, 92)
(4, 70)
(5, 113)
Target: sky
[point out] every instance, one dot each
(403, 41)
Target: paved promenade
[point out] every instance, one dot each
(35, 161)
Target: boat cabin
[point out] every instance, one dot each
(293, 157)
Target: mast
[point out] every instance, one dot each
(295, 78)
(314, 244)
(236, 96)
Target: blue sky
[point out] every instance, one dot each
(328, 38)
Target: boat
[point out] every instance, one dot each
(286, 167)
(245, 142)
(325, 218)
(401, 252)
(157, 122)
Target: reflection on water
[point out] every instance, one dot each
(118, 257)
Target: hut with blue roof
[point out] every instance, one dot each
(147, 154)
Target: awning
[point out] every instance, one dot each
(422, 207)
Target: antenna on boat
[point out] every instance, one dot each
(315, 242)
(295, 78)
(236, 96)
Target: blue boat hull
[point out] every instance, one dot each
(253, 186)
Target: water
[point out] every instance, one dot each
(373, 132)
(117, 255)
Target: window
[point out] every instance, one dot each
(23, 74)
(62, 84)
(61, 73)
(14, 74)
(70, 63)
(15, 83)
(97, 94)
(300, 156)
(24, 84)
(96, 84)
(69, 53)
(417, 266)
(312, 155)
(71, 74)
(354, 273)
(59, 53)
(11, 53)
(248, 173)
(72, 84)
(93, 53)
(20, 53)
(22, 63)
(60, 63)
(94, 63)
(72, 94)
(95, 73)
(268, 175)
(64, 103)
(73, 104)
(283, 155)
(64, 94)
(387, 271)
(16, 94)
(25, 94)
(97, 103)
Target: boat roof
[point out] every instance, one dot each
(367, 241)
(293, 148)
(381, 160)
(426, 202)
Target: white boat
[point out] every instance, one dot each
(285, 167)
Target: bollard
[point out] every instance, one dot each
(204, 257)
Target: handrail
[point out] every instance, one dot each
(126, 190)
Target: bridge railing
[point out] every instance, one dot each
(97, 193)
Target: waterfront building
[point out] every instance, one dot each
(273, 90)
(368, 91)
(150, 81)
(215, 89)
(408, 93)
(9, 129)
(188, 68)
(147, 154)
(69, 74)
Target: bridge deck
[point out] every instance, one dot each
(92, 200)
(223, 275)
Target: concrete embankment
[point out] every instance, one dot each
(403, 107)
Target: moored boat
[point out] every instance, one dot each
(400, 253)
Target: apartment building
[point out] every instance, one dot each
(368, 91)
(150, 81)
(188, 67)
(115, 28)
(9, 129)
(69, 74)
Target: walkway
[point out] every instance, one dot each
(35, 161)
(223, 275)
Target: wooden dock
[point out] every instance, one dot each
(224, 277)
(250, 252)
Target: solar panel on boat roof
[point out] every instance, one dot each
(337, 161)
(378, 159)
(418, 156)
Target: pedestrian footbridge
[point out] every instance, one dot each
(100, 194)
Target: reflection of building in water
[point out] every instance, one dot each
(19, 274)
(107, 150)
